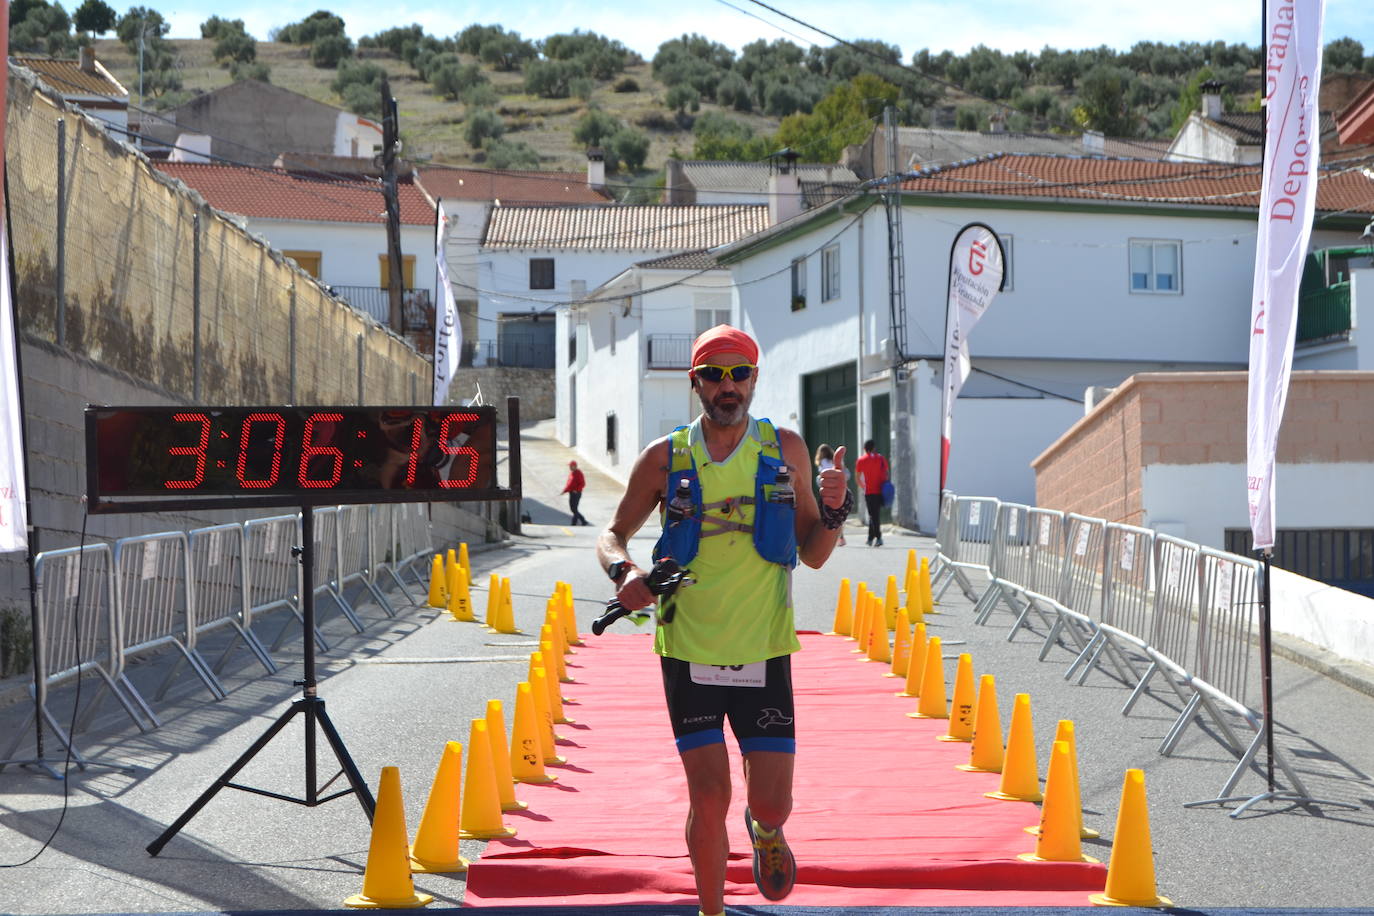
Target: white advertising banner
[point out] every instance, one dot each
(1288, 197)
(976, 266)
(448, 333)
(13, 517)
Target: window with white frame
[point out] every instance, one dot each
(830, 273)
(798, 284)
(1156, 266)
(710, 310)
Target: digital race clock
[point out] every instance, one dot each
(156, 458)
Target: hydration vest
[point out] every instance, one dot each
(774, 528)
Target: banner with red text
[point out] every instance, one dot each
(448, 333)
(1288, 197)
(976, 266)
(13, 518)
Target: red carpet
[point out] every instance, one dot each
(881, 815)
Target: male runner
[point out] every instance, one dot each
(740, 611)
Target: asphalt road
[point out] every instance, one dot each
(410, 683)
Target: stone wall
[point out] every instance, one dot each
(534, 388)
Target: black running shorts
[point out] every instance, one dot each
(761, 717)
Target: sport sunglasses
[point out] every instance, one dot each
(713, 374)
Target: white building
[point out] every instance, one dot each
(1114, 267)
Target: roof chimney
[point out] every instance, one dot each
(87, 59)
(1094, 143)
(784, 187)
(596, 168)
(1211, 100)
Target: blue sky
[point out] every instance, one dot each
(1009, 25)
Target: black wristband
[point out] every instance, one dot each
(834, 518)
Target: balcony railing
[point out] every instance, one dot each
(670, 351)
(1324, 313)
(524, 354)
(417, 305)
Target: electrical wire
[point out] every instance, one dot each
(76, 705)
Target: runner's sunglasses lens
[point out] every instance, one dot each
(713, 374)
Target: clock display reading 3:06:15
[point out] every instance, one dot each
(184, 451)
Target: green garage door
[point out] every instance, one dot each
(828, 410)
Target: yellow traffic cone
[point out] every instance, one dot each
(463, 559)
(985, 756)
(901, 646)
(1020, 772)
(500, 758)
(844, 612)
(1131, 869)
(555, 692)
(914, 607)
(450, 561)
(544, 714)
(911, 566)
(459, 599)
(493, 601)
(961, 706)
(933, 704)
(859, 632)
(552, 652)
(574, 638)
(507, 609)
(481, 818)
(878, 648)
(526, 746)
(437, 596)
(927, 599)
(436, 840)
(567, 619)
(386, 878)
(890, 604)
(1065, 732)
(916, 665)
(1058, 839)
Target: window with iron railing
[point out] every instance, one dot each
(670, 351)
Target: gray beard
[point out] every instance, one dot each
(726, 416)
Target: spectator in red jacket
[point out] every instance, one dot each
(574, 487)
(872, 471)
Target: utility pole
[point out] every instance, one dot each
(904, 501)
(390, 145)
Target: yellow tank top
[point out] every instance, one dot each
(740, 609)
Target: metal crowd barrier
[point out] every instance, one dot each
(166, 590)
(1123, 596)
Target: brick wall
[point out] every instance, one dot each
(1183, 418)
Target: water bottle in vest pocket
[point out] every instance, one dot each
(775, 532)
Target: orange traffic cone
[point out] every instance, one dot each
(933, 704)
(507, 612)
(927, 599)
(916, 665)
(500, 758)
(493, 601)
(1020, 773)
(526, 746)
(1131, 869)
(574, 639)
(915, 609)
(386, 878)
(553, 652)
(437, 593)
(481, 818)
(985, 756)
(463, 559)
(911, 567)
(901, 646)
(844, 613)
(961, 707)
(436, 839)
(555, 692)
(1058, 839)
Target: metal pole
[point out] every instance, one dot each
(291, 333)
(1267, 667)
(196, 370)
(361, 356)
(61, 255)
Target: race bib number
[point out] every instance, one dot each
(751, 675)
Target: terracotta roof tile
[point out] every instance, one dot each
(644, 228)
(688, 260)
(509, 187)
(67, 77)
(1350, 187)
(312, 197)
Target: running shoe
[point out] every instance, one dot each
(775, 869)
